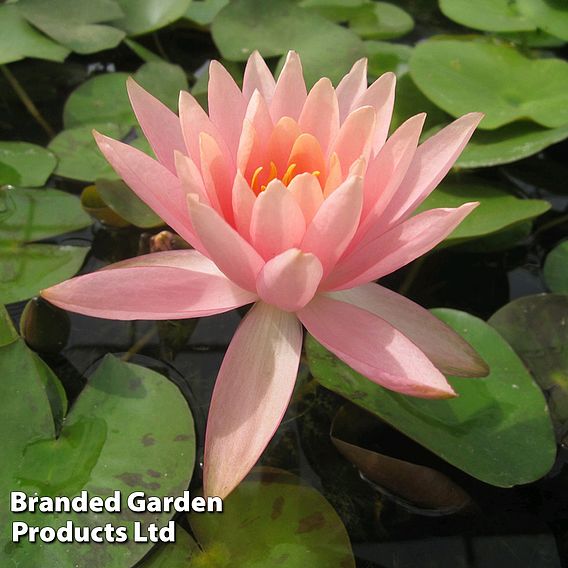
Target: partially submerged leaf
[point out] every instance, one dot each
(32, 164)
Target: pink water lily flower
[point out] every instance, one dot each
(296, 201)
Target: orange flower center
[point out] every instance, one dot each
(288, 176)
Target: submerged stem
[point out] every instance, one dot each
(26, 100)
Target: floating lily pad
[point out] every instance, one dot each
(18, 39)
(384, 56)
(536, 328)
(79, 157)
(384, 21)
(143, 16)
(75, 23)
(549, 15)
(129, 430)
(464, 76)
(498, 209)
(488, 15)
(203, 12)
(127, 204)
(175, 555)
(509, 144)
(356, 435)
(498, 429)
(164, 80)
(27, 269)
(34, 214)
(325, 48)
(270, 522)
(556, 268)
(8, 333)
(32, 164)
(337, 10)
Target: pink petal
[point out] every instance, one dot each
(277, 221)
(290, 93)
(285, 133)
(334, 176)
(374, 348)
(335, 223)
(217, 174)
(449, 352)
(351, 87)
(355, 137)
(306, 190)
(431, 163)
(380, 96)
(290, 280)
(226, 105)
(160, 125)
(258, 77)
(397, 247)
(194, 120)
(190, 176)
(308, 156)
(227, 249)
(243, 202)
(161, 190)
(251, 394)
(320, 115)
(162, 285)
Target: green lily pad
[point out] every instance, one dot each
(337, 10)
(326, 48)
(498, 428)
(536, 328)
(32, 164)
(129, 430)
(271, 522)
(27, 269)
(464, 76)
(34, 214)
(79, 157)
(18, 39)
(498, 209)
(384, 56)
(549, 15)
(143, 16)
(556, 268)
(203, 12)
(127, 204)
(488, 15)
(75, 23)
(8, 333)
(509, 144)
(385, 21)
(104, 99)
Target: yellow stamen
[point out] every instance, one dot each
(255, 176)
(316, 173)
(273, 172)
(287, 177)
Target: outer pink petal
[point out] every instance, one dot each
(290, 93)
(449, 352)
(431, 163)
(226, 105)
(373, 347)
(290, 280)
(160, 125)
(335, 223)
(277, 221)
(320, 115)
(355, 137)
(162, 285)
(217, 173)
(243, 202)
(306, 190)
(161, 190)
(234, 256)
(351, 87)
(397, 247)
(380, 95)
(251, 394)
(190, 176)
(194, 120)
(258, 77)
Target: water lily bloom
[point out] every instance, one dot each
(295, 201)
